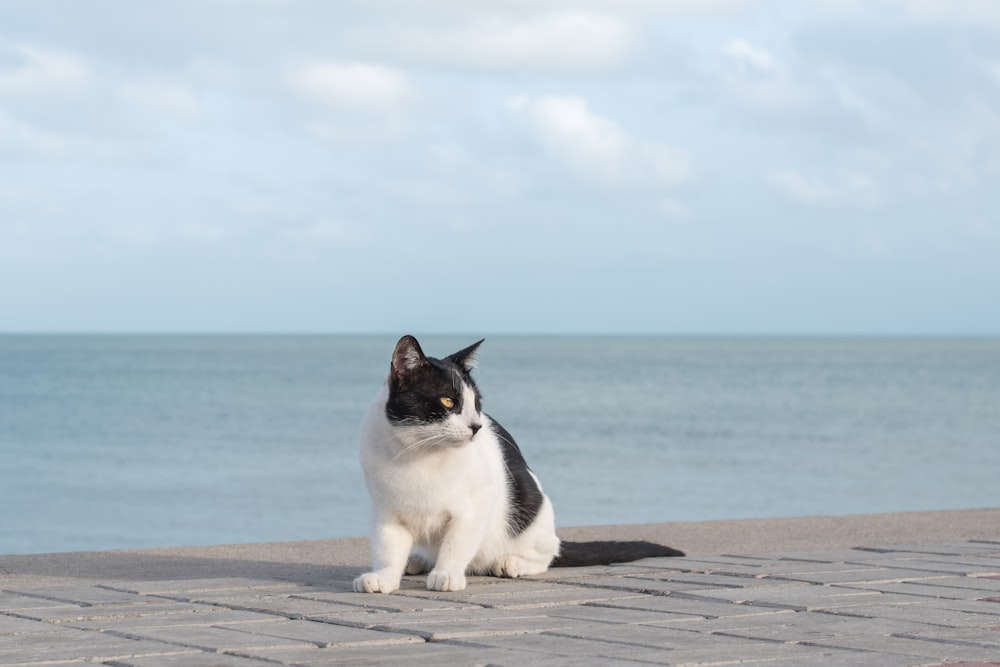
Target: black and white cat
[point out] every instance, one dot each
(452, 493)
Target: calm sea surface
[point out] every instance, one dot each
(135, 441)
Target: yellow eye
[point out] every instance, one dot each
(447, 402)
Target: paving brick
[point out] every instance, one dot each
(682, 581)
(66, 644)
(289, 606)
(427, 654)
(14, 601)
(544, 649)
(866, 576)
(87, 595)
(603, 614)
(650, 584)
(809, 626)
(545, 597)
(942, 566)
(971, 548)
(14, 625)
(767, 618)
(704, 564)
(841, 555)
(109, 611)
(449, 627)
(193, 659)
(653, 645)
(614, 570)
(914, 589)
(199, 615)
(795, 596)
(193, 586)
(985, 585)
(378, 602)
(971, 606)
(704, 607)
(981, 637)
(919, 652)
(322, 634)
(205, 638)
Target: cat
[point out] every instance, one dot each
(452, 494)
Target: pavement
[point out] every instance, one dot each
(903, 589)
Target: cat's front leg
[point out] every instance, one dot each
(458, 548)
(391, 545)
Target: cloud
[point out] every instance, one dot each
(992, 70)
(354, 86)
(19, 138)
(595, 147)
(38, 70)
(327, 232)
(760, 82)
(560, 41)
(163, 99)
(963, 12)
(850, 188)
(796, 187)
(752, 60)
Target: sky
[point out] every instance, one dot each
(718, 167)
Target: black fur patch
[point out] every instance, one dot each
(585, 554)
(526, 497)
(418, 382)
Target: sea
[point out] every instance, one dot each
(131, 441)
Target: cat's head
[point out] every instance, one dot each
(433, 402)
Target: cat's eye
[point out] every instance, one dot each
(447, 402)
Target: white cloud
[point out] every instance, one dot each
(674, 210)
(796, 187)
(327, 232)
(965, 12)
(202, 233)
(752, 60)
(596, 147)
(992, 70)
(758, 80)
(849, 188)
(21, 139)
(42, 71)
(563, 41)
(354, 86)
(18, 137)
(169, 99)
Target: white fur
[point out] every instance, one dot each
(441, 502)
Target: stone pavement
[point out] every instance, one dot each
(923, 603)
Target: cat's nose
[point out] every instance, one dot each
(475, 427)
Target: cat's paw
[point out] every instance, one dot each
(441, 580)
(517, 566)
(513, 567)
(373, 582)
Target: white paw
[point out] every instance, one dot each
(513, 567)
(440, 580)
(517, 566)
(373, 582)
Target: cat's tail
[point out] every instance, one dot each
(583, 554)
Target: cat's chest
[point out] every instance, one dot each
(447, 480)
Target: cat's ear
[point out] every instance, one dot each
(407, 356)
(466, 358)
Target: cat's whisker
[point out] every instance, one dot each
(429, 441)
